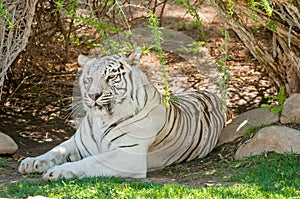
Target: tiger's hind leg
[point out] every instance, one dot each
(58, 155)
(120, 162)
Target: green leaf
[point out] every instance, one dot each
(264, 106)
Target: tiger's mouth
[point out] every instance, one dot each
(105, 103)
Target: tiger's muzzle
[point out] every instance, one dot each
(101, 100)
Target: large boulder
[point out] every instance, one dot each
(243, 122)
(274, 138)
(7, 144)
(291, 109)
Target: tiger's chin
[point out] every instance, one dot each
(108, 108)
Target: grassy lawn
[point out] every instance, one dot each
(267, 176)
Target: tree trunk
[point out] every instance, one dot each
(14, 39)
(281, 55)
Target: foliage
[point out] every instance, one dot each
(269, 175)
(255, 6)
(110, 46)
(280, 98)
(222, 67)
(266, 6)
(253, 12)
(71, 18)
(4, 15)
(69, 10)
(1, 163)
(252, 130)
(230, 7)
(192, 9)
(271, 25)
(157, 37)
(194, 47)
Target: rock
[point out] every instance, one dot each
(7, 144)
(291, 109)
(274, 138)
(39, 197)
(241, 123)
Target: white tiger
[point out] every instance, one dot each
(127, 129)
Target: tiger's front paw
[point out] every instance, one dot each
(62, 171)
(34, 165)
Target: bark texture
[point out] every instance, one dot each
(14, 39)
(280, 54)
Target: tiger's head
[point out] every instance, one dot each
(109, 81)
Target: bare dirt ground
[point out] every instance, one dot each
(34, 107)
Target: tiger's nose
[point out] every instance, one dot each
(95, 96)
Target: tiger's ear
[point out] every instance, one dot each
(82, 60)
(135, 56)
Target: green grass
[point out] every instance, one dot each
(267, 176)
(1, 163)
(252, 130)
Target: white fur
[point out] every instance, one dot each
(128, 130)
(102, 157)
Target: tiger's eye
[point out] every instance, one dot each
(110, 77)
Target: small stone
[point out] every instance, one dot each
(39, 197)
(280, 139)
(243, 122)
(291, 109)
(7, 144)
